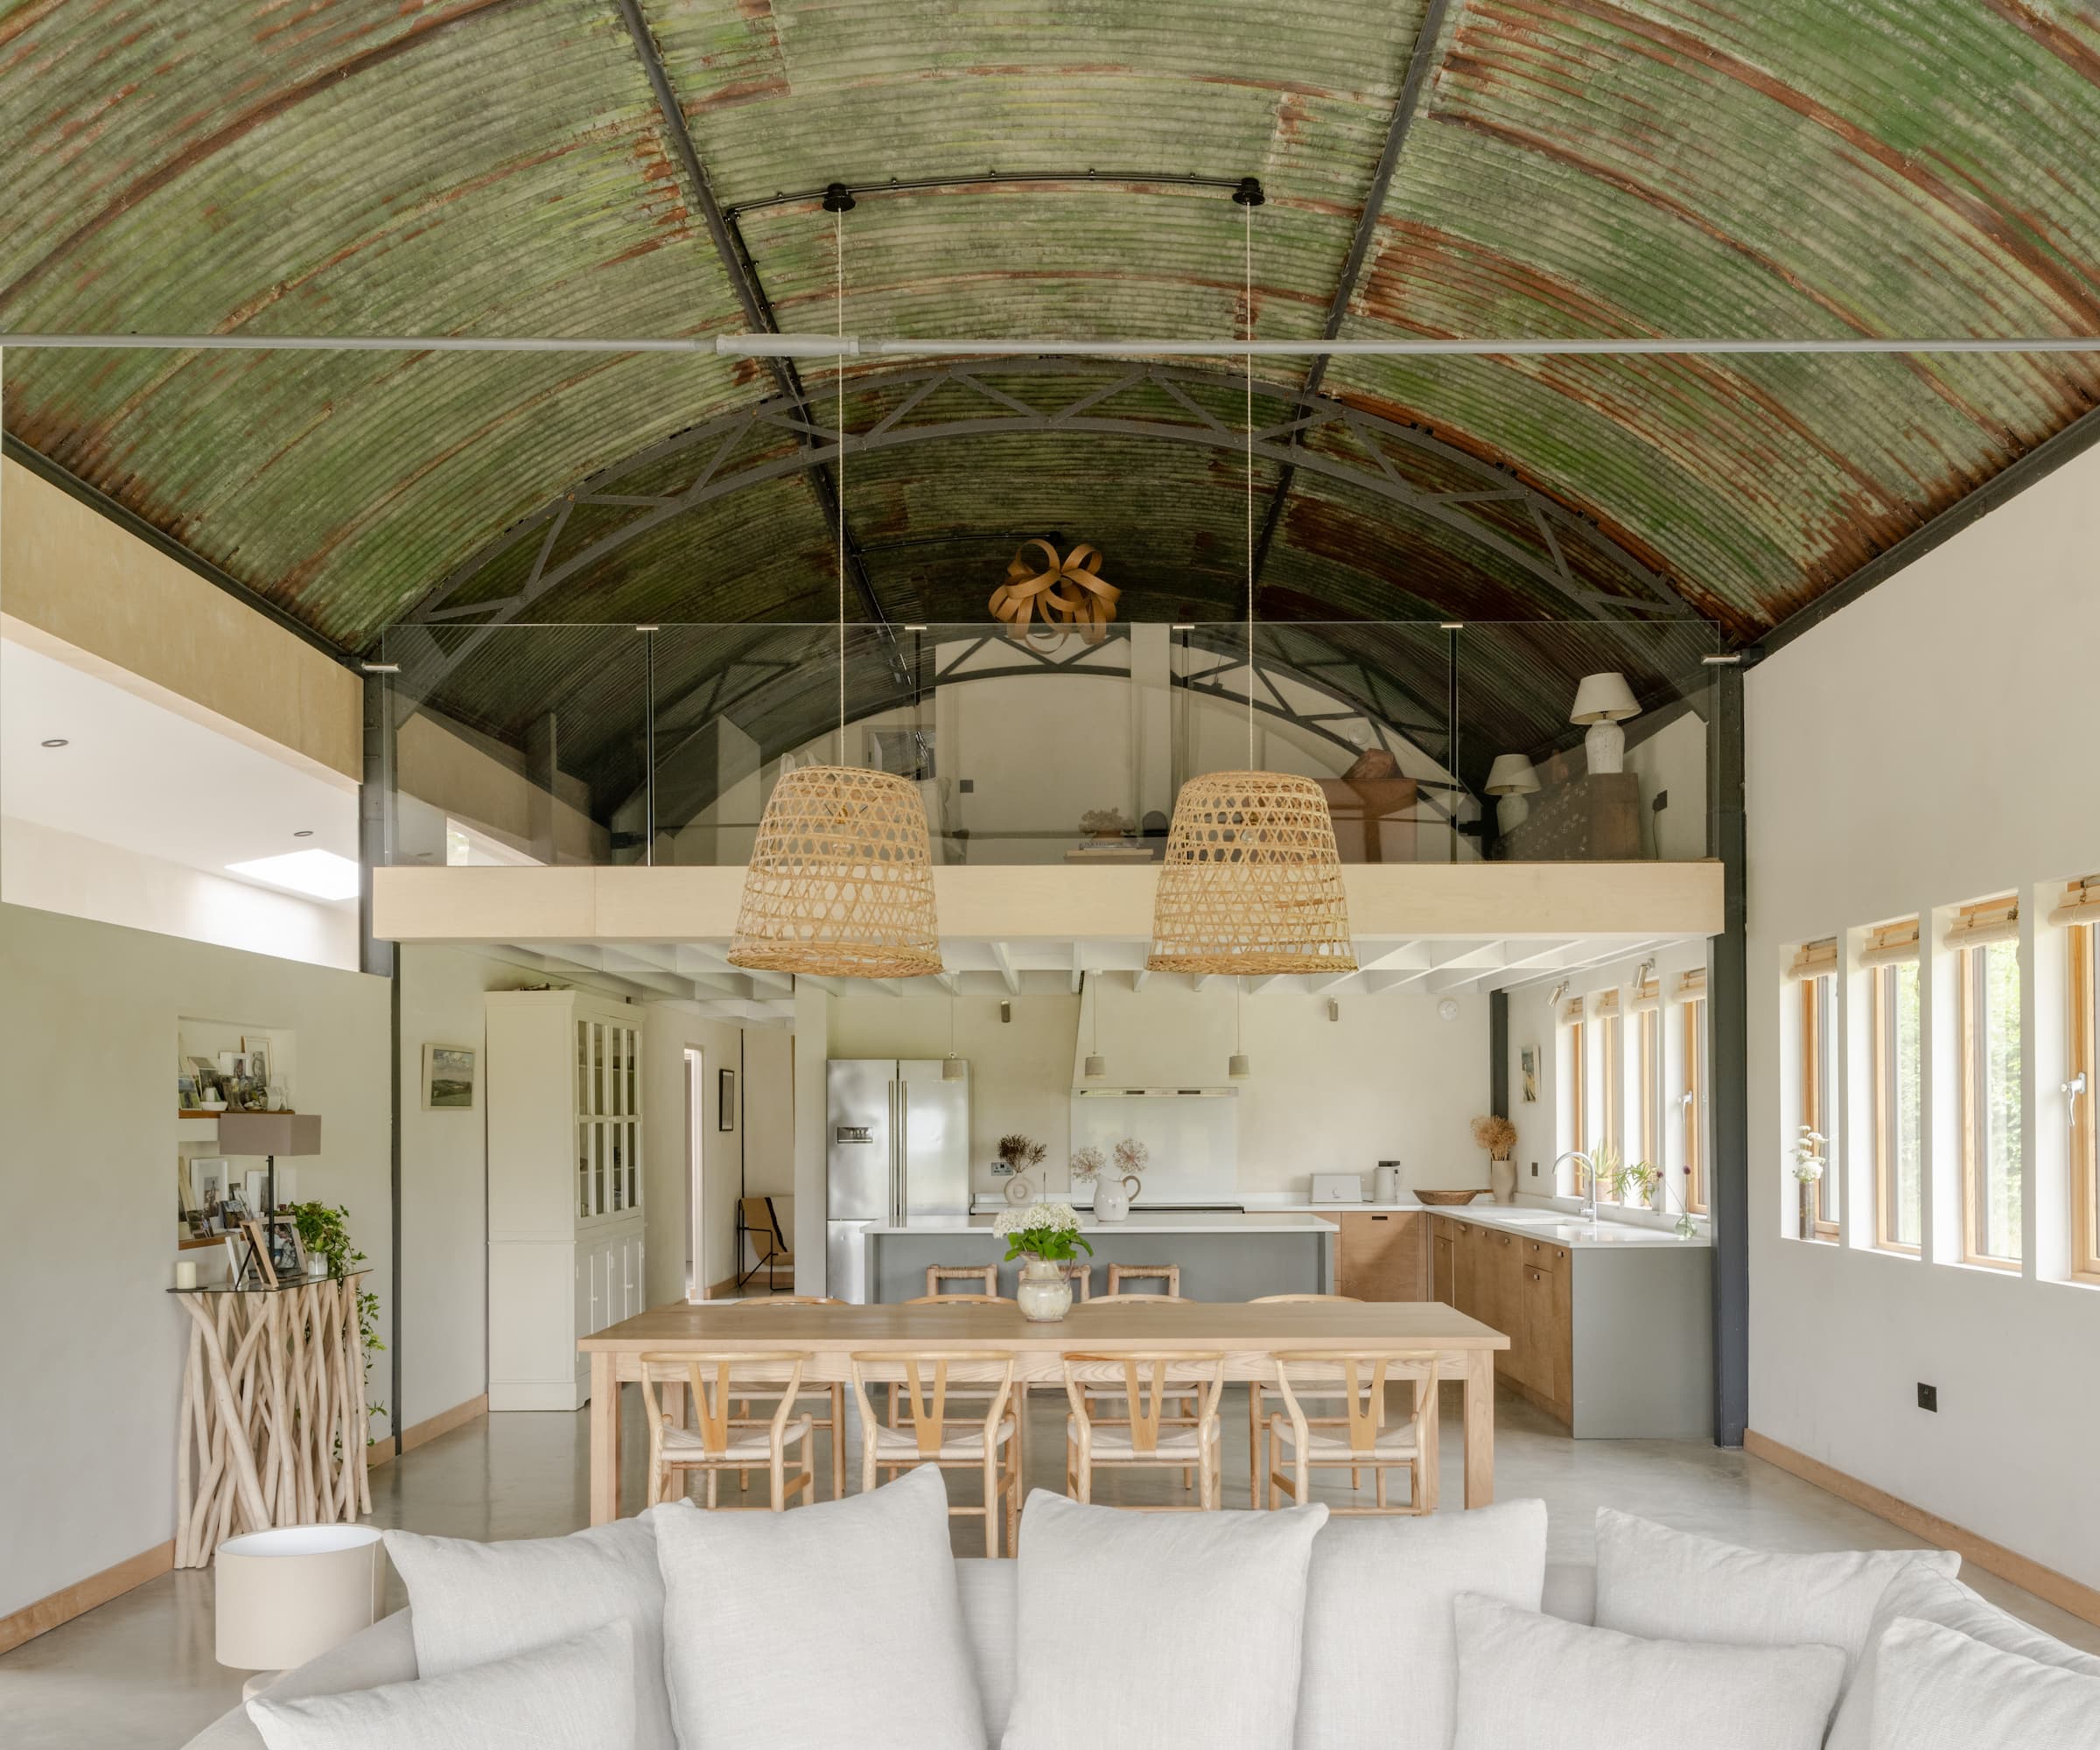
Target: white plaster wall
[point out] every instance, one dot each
(1923, 748)
(443, 1184)
(1388, 1080)
(62, 872)
(90, 1375)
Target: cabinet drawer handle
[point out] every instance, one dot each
(1382, 1218)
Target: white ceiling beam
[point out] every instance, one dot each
(949, 981)
(1334, 981)
(1140, 978)
(1079, 967)
(1003, 958)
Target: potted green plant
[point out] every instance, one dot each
(325, 1236)
(1046, 1236)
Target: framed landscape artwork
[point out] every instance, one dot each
(448, 1078)
(1528, 1059)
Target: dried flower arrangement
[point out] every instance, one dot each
(1088, 1163)
(1496, 1134)
(1131, 1156)
(1020, 1152)
(1107, 823)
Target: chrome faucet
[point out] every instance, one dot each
(1589, 1189)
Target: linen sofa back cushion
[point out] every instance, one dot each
(472, 1603)
(1378, 1597)
(837, 1624)
(1656, 1582)
(1938, 1690)
(986, 1589)
(1929, 1596)
(1142, 1629)
(577, 1693)
(1526, 1679)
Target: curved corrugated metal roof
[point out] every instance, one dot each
(1797, 167)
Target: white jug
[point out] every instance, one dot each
(1112, 1195)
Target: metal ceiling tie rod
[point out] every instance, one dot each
(866, 346)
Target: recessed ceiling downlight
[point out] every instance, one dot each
(319, 874)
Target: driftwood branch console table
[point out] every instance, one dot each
(274, 1424)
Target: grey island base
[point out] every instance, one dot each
(1223, 1255)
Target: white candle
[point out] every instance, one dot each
(186, 1272)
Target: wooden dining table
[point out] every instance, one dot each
(1247, 1333)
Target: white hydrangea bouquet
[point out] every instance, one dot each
(1049, 1231)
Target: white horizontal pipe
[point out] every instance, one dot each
(855, 345)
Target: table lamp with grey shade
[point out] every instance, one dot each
(287, 1595)
(1512, 778)
(1604, 701)
(269, 1134)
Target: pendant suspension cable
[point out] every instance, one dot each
(838, 252)
(1247, 208)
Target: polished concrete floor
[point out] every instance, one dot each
(139, 1671)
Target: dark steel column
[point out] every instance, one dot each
(1727, 1031)
(1498, 1053)
(375, 817)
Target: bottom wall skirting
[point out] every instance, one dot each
(82, 1596)
(2046, 1584)
(420, 1434)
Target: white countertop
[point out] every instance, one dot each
(1557, 1227)
(1139, 1221)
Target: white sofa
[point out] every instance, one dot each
(386, 1652)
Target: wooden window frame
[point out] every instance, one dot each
(1882, 1037)
(1611, 1088)
(2085, 1135)
(1695, 1106)
(1973, 1068)
(1579, 1070)
(1815, 1088)
(1648, 1076)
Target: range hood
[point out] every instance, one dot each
(1096, 1090)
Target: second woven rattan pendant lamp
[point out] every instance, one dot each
(1251, 882)
(841, 880)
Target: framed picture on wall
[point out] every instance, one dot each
(1528, 1061)
(726, 1100)
(448, 1078)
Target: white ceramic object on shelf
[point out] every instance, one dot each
(1112, 1195)
(1501, 1180)
(1018, 1191)
(1044, 1292)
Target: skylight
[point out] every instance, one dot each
(319, 874)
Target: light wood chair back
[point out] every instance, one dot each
(987, 1274)
(1161, 1390)
(760, 1223)
(932, 1386)
(956, 1300)
(1168, 1274)
(1357, 1379)
(1134, 1300)
(1255, 1419)
(1080, 1276)
(723, 1441)
(832, 1423)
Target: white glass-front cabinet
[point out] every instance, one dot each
(564, 1080)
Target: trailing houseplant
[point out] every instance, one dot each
(325, 1236)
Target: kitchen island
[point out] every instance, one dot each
(1224, 1255)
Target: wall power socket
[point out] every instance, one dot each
(1929, 1397)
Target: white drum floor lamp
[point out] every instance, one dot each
(289, 1595)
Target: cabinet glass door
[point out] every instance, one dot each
(633, 1165)
(582, 1169)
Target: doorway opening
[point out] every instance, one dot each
(696, 1199)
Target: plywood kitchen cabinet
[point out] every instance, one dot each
(1382, 1256)
(1610, 1341)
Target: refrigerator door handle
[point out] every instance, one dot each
(900, 1149)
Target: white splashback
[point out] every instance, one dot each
(1193, 1138)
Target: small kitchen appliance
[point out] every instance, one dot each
(1337, 1187)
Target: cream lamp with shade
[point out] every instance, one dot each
(1604, 701)
(287, 1595)
(1512, 778)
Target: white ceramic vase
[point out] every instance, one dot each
(1045, 1293)
(1501, 1180)
(1112, 1194)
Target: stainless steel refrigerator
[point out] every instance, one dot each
(896, 1145)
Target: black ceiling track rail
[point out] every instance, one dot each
(992, 179)
(1420, 60)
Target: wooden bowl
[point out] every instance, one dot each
(1451, 1197)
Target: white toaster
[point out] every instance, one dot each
(1337, 1187)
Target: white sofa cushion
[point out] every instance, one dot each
(1656, 1582)
(1938, 1690)
(578, 1694)
(1139, 1629)
(474, 1603)
(1526, 1679)
(987, 1593)
(1378, 1596)
(1929, 1596)
(837, 1623)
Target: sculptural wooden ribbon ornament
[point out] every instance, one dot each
(1070, 591)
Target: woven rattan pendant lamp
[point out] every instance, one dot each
(841, 880)
(1252, 884)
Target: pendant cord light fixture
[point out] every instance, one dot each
(1251, 881)
(1096, 1066)
(952, 1068)
(841, 880)
(1236, 1066)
